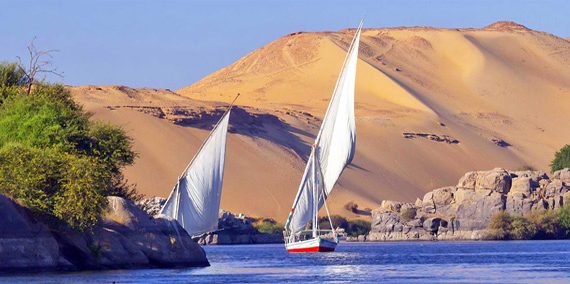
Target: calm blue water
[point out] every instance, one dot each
(418, 262)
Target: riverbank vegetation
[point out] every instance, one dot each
(547, 224)
(268, 226)
(56, 160)
(353, 228)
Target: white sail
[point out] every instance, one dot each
(195, 200)
(334, 146)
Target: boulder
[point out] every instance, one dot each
(468, 181)
(497, 180)
(563, 175)
(432, 225)
(443, 196)
(126, 237)
(555, 187)
(543, 183)
(26, 244)
(535, 176)
(151, 205)
(384, 221)
(428, 206)
(517, 203)
(476, 215)
(464, 195)
(418, 202)
(407, 206)
(162, 241)
(522, 185)
(391, 205)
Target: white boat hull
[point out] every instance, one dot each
(317, 244)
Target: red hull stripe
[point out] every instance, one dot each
(311, 249)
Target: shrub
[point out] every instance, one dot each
(352, 228)
(561, 159)
(268, 226)
(499, 227)
(546, 224)
(358, 227)
(336, 220)
(80, 202)
(30, 176)
(56, 183)
(563, 218)
(522, 228)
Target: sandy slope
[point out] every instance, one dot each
(472, 85)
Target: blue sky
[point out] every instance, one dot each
(173, 43)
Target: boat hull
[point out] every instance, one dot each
(313, 245)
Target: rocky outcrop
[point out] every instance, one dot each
(238, 229)
(126, 237)
(151, 205)
(464, 211)
(24, 243)
(232, 229)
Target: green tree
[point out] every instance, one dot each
(41, 122)
(54, 160)
(12, 80)
(561, 159)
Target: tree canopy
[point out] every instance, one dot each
(561, 159)
(53, 158)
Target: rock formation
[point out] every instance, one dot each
(126, 237)
(232, 229)
(238, 230)
(464, 211)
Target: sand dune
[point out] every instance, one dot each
(430, 104)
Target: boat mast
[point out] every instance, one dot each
(315, 193)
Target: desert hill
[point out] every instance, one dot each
(431, 104)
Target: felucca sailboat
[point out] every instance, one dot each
(195, 199)
(332, 151)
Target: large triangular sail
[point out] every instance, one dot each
(195, 200)
(334, 146)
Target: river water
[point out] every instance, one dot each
(404, 262)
